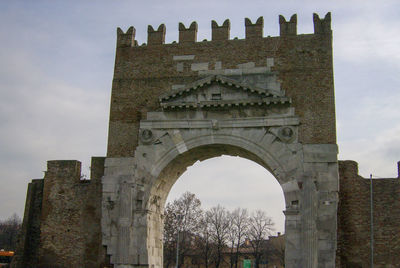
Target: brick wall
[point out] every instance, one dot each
(303, 64)
(75, 206)
(354, 219)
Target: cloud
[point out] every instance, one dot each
(361, 40)
(375, 155)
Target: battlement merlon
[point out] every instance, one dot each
(322, 26)
(156, 37)
(70, 170)
(63, 170)
(188, 35)
(287, 28)
(220, 33)
(254, 30)
(126, 39)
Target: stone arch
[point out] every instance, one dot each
(193, 125)
(160, 162)
(173, 164)
(206, 147)
(135, 189)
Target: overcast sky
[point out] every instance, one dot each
(57, 60)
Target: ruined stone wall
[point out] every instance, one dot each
(62, 218)
(29, 237)
(303, 64)
(354, 219)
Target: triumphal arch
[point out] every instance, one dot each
(267, 99)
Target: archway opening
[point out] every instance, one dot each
(233, 182)
(227, 175)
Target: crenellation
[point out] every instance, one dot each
(126, 39)
(67, 169)
(322, 26)
(288, 27)
(254, 30)
(220, 32)
(188, 35)
(156, 37)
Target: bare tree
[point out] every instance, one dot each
(232, 235)
(239, 221)
(206, 236)
(204, 243)
(260, 227)
(182, 216)
(170, 235)
(219, 223)
(9, 230)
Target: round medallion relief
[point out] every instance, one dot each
(286, 134)
(146, 136)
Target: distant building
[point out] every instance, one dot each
(272, 255)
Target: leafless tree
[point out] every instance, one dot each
(260, 227)
(204, 244)
(170, 235)
(219, 223)
(9, 230)
(232, 235)
(206, 236)
(183, 215)
(239, 219)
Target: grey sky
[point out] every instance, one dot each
(56, 70)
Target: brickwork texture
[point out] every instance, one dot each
(354, 221)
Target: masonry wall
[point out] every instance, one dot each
(303, 64)
(67, 230)
(354, 219)
(62, 218)
(29, 236)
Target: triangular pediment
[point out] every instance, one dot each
(220, 91)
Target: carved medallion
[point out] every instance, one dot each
(146, 136)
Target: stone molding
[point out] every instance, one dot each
(222, 123)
